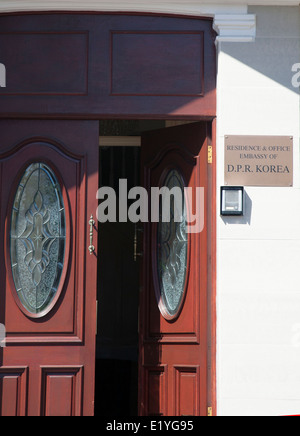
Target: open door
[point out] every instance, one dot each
(49, 177)
(173, 319)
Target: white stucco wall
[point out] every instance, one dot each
(258, 291)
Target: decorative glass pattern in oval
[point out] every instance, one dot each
(38, 237)
(172, 240)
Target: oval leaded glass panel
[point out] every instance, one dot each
(37, 239)
(172, 245)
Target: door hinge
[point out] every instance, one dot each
(210, 411)
(210, 154)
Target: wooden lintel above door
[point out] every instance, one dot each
(134, 141)
(80, 66)
(120, 141)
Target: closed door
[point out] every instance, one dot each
(49, 177)
(173, 330)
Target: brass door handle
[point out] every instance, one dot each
(91, 223)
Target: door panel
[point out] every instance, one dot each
(61, 391)
(13, 387)
(173, 358)
(49, 177)
(99, 65)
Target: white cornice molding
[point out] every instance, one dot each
(235, 28)
(186, 7)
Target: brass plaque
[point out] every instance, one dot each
(259, 160)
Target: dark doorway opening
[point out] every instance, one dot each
(118, 296)
(119, 262)
(117, 348)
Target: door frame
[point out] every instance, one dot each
(212, 186)
(212, 272)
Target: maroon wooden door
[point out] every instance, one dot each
(173, 331)
(49, 177)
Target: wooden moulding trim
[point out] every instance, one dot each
(120, 141)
